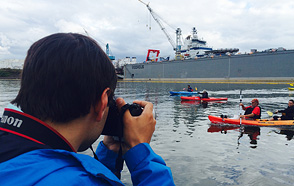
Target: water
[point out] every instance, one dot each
(185, 139)
(8, 91)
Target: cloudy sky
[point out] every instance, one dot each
(130, 30)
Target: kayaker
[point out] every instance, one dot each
(67, 84)
(204, 94)
(287, 114)
(189, 89)
(253, 111)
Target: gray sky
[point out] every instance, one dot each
(125, 24)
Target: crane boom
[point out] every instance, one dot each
(155, 17)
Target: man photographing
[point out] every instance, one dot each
(66, 84)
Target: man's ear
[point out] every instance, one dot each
(101, 106)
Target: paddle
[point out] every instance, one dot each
(241, 128)
(240, 107)
(269, 113)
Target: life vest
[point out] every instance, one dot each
(249, 111)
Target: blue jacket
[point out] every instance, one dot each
(30, 163)
(60, 167)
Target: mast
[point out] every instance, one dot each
(178, 41)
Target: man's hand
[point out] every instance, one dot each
(137, 129)
(242, 105)
(111, 144)
(242, 116)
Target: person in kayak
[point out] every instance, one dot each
(67, 85)
(204, 94)
(189, 89)
(253, 111)
(287, 114)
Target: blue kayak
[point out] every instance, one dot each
(186, 93)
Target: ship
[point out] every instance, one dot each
(195, 61)
(268, 65)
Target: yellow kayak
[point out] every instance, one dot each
(290, 88)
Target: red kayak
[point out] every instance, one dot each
(184, 98)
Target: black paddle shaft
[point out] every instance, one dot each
(240, 106)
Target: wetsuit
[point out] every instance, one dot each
(287, 114)
(33, 153)
(189, 89)
(204, 95)
(256, 111)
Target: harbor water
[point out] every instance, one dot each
(200, 153)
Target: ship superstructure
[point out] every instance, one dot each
(194, 47)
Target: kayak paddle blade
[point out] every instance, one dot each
(269, 113)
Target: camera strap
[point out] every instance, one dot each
(33, 129)
(119, 160)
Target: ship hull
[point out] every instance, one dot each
(260, 66)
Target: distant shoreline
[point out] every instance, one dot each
(8, 73)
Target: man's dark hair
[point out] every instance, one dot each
(291, 100)
(64, 74)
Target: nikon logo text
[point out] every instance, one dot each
(11, 121)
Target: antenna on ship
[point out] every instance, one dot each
(194, 32)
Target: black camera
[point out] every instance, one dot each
(114, 122)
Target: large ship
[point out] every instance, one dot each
(270, 65)
(195, 61)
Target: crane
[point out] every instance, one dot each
(176, 46)
(108, 53)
